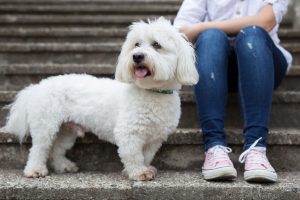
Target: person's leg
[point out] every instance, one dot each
(212, 53)
(261, 67)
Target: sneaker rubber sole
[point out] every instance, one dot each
(261, 176)
(224, 173)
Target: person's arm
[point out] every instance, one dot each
(265, 19)
(190, 12)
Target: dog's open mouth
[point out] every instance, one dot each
(141, 71)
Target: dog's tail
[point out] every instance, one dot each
(16, 121)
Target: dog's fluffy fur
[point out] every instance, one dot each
(127, 114)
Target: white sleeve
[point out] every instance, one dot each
(280, 8)
(191, 11)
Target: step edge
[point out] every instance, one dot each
(188, 136)
(166, 179)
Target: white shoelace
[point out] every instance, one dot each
(223, 148)
(243, 156)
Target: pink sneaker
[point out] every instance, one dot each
(217, 165)
(257, 166)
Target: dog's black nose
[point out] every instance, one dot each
(138, 57)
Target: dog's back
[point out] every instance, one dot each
(59, 96)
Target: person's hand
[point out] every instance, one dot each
(191, 31)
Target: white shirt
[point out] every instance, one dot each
(195, 11)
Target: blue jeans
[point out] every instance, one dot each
(252, 66)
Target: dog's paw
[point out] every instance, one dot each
(146, 175)
(153, 169)
(66, 166)
(71, 168)
(35, 172)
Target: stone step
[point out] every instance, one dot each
(56, 69)
(109, 20)
(56, 34)
(61, 53)
(98, 20)
(168, 185)
(285, 110)
(182, 151)
(98, 7)
(109, 7)
(160, 8)
(17, 76)
(92, 34)
(60, 47)
(289, 35)
(290, 82)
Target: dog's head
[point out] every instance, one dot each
(156, 55)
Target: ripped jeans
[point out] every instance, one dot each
(253, 66)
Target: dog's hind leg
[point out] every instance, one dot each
(42, 140)
(64, 141)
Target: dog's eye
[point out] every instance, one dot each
(156, 45)
(137, 44)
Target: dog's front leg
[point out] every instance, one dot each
(130, 150)
(150, 150)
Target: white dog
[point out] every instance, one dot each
(136, 115)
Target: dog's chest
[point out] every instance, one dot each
(154, 115)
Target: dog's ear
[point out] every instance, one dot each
(186, 72)
(122, 70)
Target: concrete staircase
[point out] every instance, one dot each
(41, 38)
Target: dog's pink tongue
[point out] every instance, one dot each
(141, 72)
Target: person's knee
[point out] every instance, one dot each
(211, 36)
(211, 44)
(250, 35)
(254, 40)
